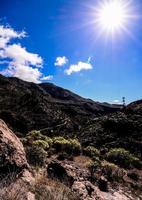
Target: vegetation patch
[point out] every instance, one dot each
(112, 172)
(83, 161)
(42, 144)
(36, 155)
(70, 146)
(133, 175)
(91, 152)
(123, 158)
(52, 189)
(37, 136)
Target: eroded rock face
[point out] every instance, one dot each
(12, 154)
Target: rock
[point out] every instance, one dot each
(103, 184)
(27, 178)
(80, 189)
(12, 154)
(30, 196)
(15, 178)
(83, 189)
(89, 188)
(57, 170)
(67, 171)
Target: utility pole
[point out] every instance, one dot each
(124, 101)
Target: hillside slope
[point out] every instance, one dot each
(26, 106)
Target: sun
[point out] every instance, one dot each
(112, 15)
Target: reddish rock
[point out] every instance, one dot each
(12, 154)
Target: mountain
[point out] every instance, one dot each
(26, 106)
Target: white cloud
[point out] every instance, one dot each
(61, 61)
(8, 32)
(21, 56)
(20, 63)
(47, 78)
(78, 67)
(3, 42)
(116, 101)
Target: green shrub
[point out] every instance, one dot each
(48, 140)
(41, 143)
(93, 168)
(70, 146)
(35, 136)
(123, 158)
(60, 144)
(36, 155)
(75, 146)
(112, 172)
(91, 152)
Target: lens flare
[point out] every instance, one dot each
(112, 15)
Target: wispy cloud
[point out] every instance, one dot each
(61, 61)
(20, 62)
(47, 78)
(78, 67)
(89, 59)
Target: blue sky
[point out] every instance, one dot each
(65, 28)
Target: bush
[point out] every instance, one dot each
(41, 143)
(133, 175)
(60, 144)
(35, 137)
(48, 140)
(93, 168)
(75, 146)
(91, 152)
(36, 155)
(112, 172)
(70, 146)
(123, 158)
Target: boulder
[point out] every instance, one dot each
(83, 189)
(58, 171)
(12, 154)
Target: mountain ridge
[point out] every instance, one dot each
(26, 101)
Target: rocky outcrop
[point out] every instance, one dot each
(67, 171)
(15, 178)
(77, 177)
(12, 154)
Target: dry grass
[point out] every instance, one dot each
(47, 189)
(82, 161)
(12, 190)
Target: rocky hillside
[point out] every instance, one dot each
(56, 111)
(26, 106)
(61, 169)
(74, 148)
